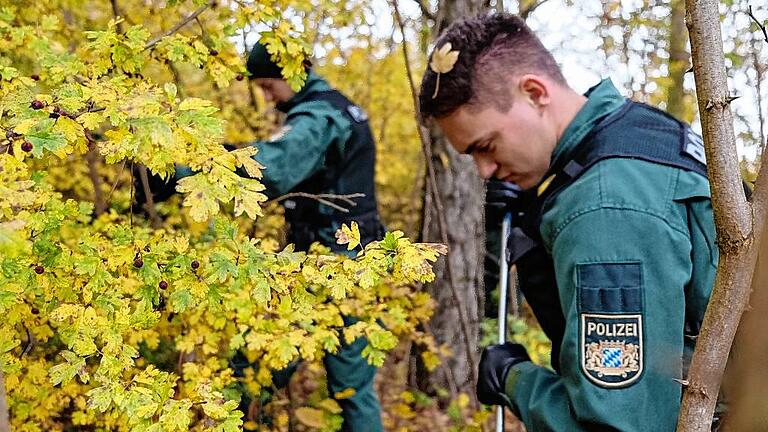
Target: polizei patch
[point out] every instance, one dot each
(612, 348)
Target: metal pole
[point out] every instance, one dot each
(503, 286)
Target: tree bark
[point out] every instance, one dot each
(739, 222)
(5, 423)
(678, 60)
(461, 193)
(749, 389)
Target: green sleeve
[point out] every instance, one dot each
(617, 262)
(298, 150)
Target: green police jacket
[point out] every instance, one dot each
(624, 229)
(298, 150)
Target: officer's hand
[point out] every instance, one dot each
(501, 195)
(494, 367)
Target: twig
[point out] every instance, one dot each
(117, 181)
(762, 27)
(149, 202)
(178, 26)
(425, 9)
(323, 199)
(116, 13)
(31, 342)
(426, 148)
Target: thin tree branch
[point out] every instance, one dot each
(116, 13)
(323, 199)
(425, 9)
(149, 202)
(427, 149)
(92, 157)
(762, 27)
(178, 26)
(735, 219)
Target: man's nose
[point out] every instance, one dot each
(485, 166)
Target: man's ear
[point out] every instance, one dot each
(534, 90)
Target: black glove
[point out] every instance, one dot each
(494, 367)
(501, 195)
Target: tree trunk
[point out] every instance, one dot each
(748, 391)
(461, 193)
(678, 61)
(739, 222)
(5, 423)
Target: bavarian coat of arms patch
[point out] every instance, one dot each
(612, 348)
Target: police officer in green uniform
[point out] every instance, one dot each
(324, 147)
(616, 252)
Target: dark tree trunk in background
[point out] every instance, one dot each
(746, 389)
(461, 193)
(679, 61)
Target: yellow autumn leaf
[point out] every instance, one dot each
(349, 236)
(311, 417)
(443, 59)
(330, 405)
(345, 394)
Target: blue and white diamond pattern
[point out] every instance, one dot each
(611, 357)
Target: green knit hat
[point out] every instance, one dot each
(260, 64)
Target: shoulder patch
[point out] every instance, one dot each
(612, 348)
(693, 145)
(357, 113)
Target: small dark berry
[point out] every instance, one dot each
(195, 264)
(35, 311)
(213, 52)
(163, 285)
(36, 104)
(138, 263)
(39, 269)
(27, 146)
(35, 77)
(239, 77)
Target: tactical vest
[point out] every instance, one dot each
(634, 131)
(347, 170)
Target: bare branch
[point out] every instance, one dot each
(427, 149)
(762, 27)
(425, 9)
(116, 13)
(149, 202)
(92, 157)
(325, 199)
(178, 26)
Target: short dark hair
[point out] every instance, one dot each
(491, 47)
